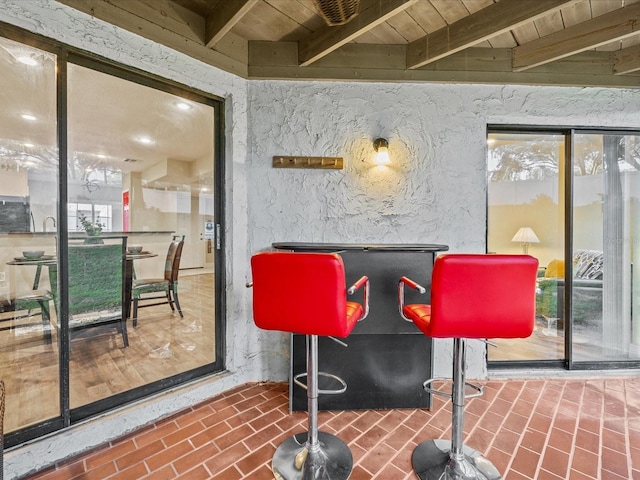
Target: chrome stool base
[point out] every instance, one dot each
(330, 460)
(431, 461)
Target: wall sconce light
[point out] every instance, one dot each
(381, 145)
(525, 236)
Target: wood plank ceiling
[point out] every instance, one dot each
(540, 42)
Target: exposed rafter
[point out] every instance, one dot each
(478, 27)
(272, 39)
(219, 23)
(619, 24)
(626, 60)
(164, 22)
(327, 39)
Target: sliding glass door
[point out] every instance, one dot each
(606, 246)
(588, 292)
(526, 215)
(141, 167)
(110, 214)
(29, 352)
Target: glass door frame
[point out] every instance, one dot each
(65, 55)
(568, 362)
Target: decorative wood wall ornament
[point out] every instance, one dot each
(335, 163)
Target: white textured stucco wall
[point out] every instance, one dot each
(433, 192)
(56, 21)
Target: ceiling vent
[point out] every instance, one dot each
(338, 12)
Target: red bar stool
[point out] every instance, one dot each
(306, 293)
(472, 296)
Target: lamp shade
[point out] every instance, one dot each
(525, 235)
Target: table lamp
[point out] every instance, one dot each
(525, 236)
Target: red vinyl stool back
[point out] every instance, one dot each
(479, 296)
(306, 293)
(302, 293)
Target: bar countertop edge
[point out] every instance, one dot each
(381, 247)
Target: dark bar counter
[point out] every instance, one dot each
(386, 359)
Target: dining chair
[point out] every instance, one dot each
(160, 291)
(29, 301)
(95, 285)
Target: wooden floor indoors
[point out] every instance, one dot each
(163, 344)
(578, 429)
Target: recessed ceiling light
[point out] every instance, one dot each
(27, 116)
(27, 60)
(102, 155)
(145, 140)
(183, 106)
(28, 145)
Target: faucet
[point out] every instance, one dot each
(44, 223)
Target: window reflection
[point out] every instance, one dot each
(526, 172)
(606, 178)
(140, 174)
(29, 359)
(140, 166)
(526, 193)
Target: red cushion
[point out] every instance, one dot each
(354, 313)
(302, 293)
(421, 316)
(479, 296)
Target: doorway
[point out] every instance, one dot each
(106, 172)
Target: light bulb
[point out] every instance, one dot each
(382, 157)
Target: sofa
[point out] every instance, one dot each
(587, 289)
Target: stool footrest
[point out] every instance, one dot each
(296, 380)
(427, 387)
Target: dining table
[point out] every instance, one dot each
(38, 262)
(129, 271)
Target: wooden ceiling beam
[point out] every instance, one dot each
(361, 62)
(164, 22)
(327, 39)
(223, 19)
(626, 60)
(478, 27)
(616, 25)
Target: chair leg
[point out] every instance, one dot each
(135, 312)
(169, 299)
(123, 331)
(452, 460)
(46, 323)
(175, 299)
(313, 454)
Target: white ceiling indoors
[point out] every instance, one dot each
(109, 120)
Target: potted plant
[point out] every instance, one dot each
(93, 230)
